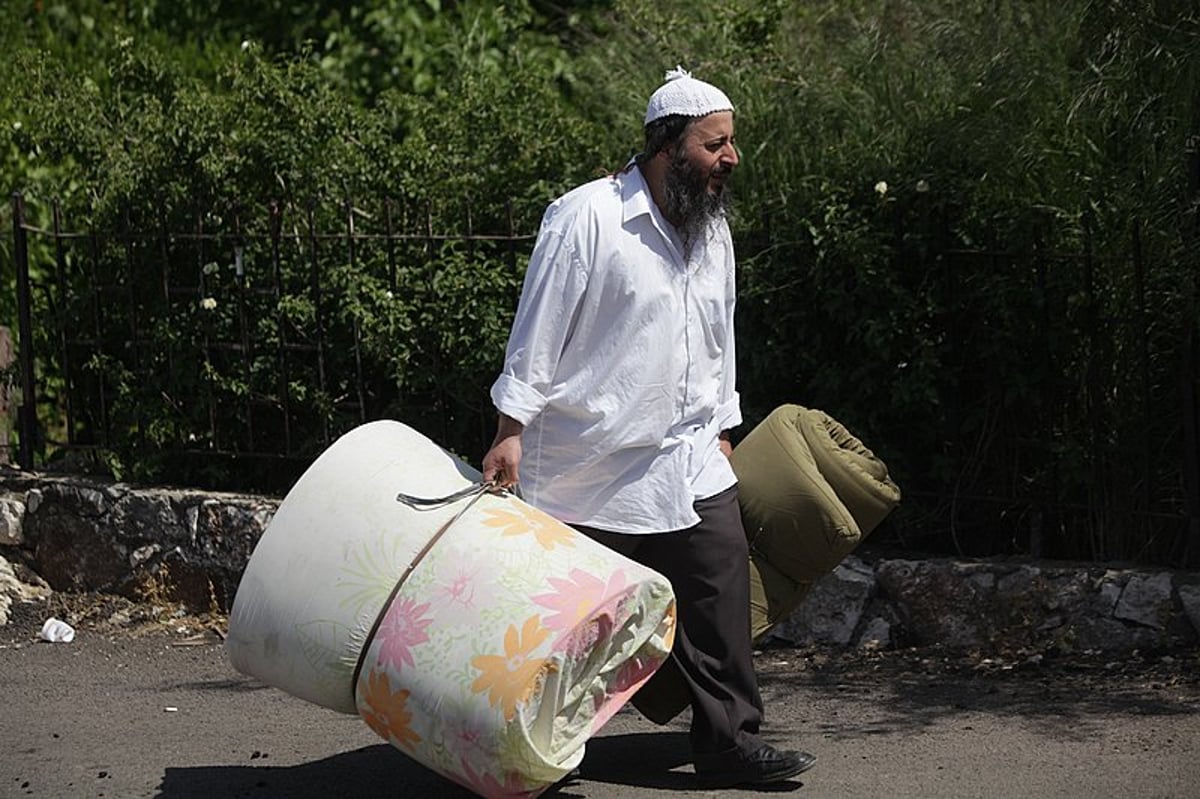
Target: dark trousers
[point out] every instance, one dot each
(708, 567)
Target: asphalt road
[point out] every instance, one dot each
(162, 714)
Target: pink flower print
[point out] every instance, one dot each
(401, 630)
(574, 599)
(466, 742)
(585, 610)
(460, 590)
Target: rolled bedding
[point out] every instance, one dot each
(476, 634)
(809, 493)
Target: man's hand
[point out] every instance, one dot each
(723, 443)
(501, 462)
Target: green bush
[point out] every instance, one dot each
(216, 202)
(1017, 394)
(964, 228)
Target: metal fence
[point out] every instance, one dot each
(246, 332)
(1097, 458)
(1057, 413)
(229, 349)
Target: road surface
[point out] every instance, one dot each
(159, 712)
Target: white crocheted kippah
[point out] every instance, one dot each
(683, 94)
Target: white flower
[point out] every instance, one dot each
(922, 186)
(208, 304)
(881, 188)
(210, 268)
(16, 126)
(245, 45)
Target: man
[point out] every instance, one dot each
(617, 395)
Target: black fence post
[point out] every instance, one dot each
(245, 341)
(61, 317)
(1190, 399)
(1141, 317)
(281, 321)
(1045, 487)
(27, 415)
(315, 292)
(1190, 378)
(356, 313)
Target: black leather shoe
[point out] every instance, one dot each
(763, 765)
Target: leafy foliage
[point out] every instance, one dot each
(939, 246)
(964, 227)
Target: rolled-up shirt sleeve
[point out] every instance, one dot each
(554, 285)
(728, 414)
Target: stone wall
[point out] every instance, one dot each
(191, 547)
(998, 605)
(85, 535)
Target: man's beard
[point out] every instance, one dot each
(689, 203)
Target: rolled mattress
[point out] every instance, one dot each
(809, 492)
(476, 634)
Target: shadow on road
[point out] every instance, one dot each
(644, 760)
(897, 695)
(658, 760)
(371, 771)
(649, 760)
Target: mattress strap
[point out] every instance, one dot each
(474, 491)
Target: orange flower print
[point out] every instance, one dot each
(512, 677)
(523, 519)
(668, 626)
(385, 711)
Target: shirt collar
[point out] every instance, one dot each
(635, 193)
(636, 201)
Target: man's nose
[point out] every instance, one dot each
(730, 156)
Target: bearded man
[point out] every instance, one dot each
(618, 392)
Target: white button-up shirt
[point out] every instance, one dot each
(620, 363)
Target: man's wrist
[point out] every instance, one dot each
(507, 426)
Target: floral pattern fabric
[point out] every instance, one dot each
(490, 656)
(508, 672)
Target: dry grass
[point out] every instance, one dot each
(112, 615)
